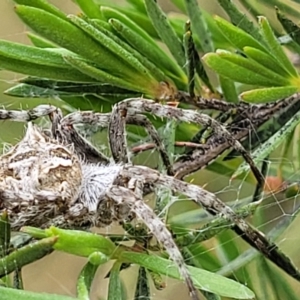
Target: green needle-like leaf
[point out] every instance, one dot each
(81, 243)
(239, 69)
(290, 27)
(203, 280)
(199, 25)
(111, 45)
(43, 5)
(39, 42)
(4, 233)
(269, 94)
(85, 281)
(115, 286)
(110, 13)
(26, 255)
(142, 290)
(74, 39)
(151, 51)
(266, 60)
(90, 8)
(9, 294)
(165, 31)
(241, 20)
(274, 47)
(236, 36)
(272, 143)
(104, 77)
(228, 89)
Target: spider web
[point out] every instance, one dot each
(60, 270)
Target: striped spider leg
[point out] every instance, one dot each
(247, 118)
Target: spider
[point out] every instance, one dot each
(58, 178)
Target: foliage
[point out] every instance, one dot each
(108, 53)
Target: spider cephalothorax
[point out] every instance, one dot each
(61, 179)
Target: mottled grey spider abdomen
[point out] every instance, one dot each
(38, 178)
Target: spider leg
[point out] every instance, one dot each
(212, 204)
(118, 143)
(27, 115)
(63, 130)
(117, 140)
(122, 195)
(133, 106)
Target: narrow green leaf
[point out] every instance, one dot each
(39, 42)
(203, 279)
(81, 243)
(43, 5)
(236, 36)
(90, 8)
(142, 290)
(211, 228)
(115, 287)
(72, 38)
(269, 94)
(26, 255)
(37, 233)
(199, 25)
(289, 26)
(139, 5)
(241, 20)
(143, 59)
(46, 57)
(274, 47)
(40, 70)
(228, 89)
(85, 281)
(238, 72)
(4, 233)
(251, 254)
(279, 281)
(285, 6)
(109, 43)
(104, 77)
(141, 20)
(180, 5)
(165, 31)
(9, 294)
(150, 51)
(265, 60)
(190, 62)
(252, 65)
(110, 13)
(271, 144)
(228, 246)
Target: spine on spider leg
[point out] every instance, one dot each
(123, 195)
